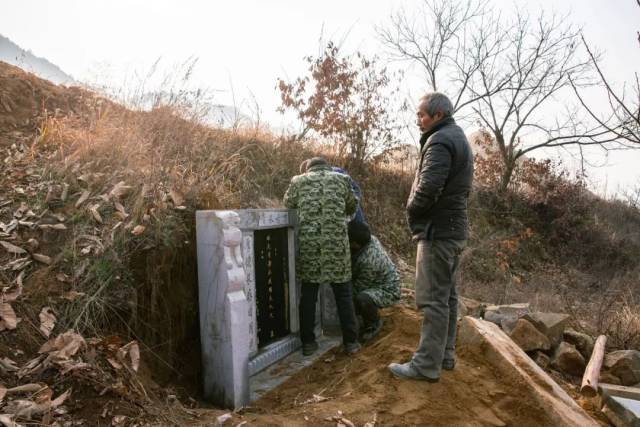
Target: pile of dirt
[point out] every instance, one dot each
(26, 100)
(361, 390)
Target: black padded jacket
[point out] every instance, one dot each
(437, 205)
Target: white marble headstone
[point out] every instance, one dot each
(227, 289)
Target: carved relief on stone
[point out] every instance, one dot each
(232, 244)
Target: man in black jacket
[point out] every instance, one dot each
(437, 216)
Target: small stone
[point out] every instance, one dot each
(528, 337)
(541, 359)
(505, 316)
(569, 360)
(471, 307)
(624, 364)
(584, 343)
(222, 419)
(607, 377)
(550, 324)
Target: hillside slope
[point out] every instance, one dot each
(97, 207)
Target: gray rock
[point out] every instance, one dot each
(607, 377)
(222, 419)
(567, 359)
(505, 316)
(550, 324)
(584, 343)
(624, 364)
(541, 359)
(528, 337)
(471, 307)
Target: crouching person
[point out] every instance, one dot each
(376, 282)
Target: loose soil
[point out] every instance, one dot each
(364, 391)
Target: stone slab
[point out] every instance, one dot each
(550, 324)
(279, 372)
(507, 315)
(516, 367)
(227, 300)
(274, 352)
(624, 364)
(619, 390)
(613, 418)
(224, 325)
(528, 337)
(584, 343)
(568, 359)
(627, 410)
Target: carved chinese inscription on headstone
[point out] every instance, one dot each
(272, 284)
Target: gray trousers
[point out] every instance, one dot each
(436, 266)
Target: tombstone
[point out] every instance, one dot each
(248, 297)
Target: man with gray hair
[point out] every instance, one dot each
(437, 216)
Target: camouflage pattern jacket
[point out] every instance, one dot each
(324, 200)
(375, 274)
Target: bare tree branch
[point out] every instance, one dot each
(515, 75)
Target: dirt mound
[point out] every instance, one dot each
(26, 100)
(363, 390)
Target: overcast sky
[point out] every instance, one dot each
(245, 45)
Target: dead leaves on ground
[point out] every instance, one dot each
(8, 318)
(120, 190)
(42, 258)
(93, 209)
(68, 353)
(138, 230)
(38, 404)
(47, 321)
(83, 198)
(11, 248)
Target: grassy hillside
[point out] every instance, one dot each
(125, 185)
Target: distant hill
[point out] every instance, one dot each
(13, 54)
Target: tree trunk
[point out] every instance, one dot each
(507, 174)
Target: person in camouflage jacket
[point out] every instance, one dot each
(324, 201)
(376, 282)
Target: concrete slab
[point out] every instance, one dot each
(619, 390)
(516, 367)
(622, 404)
(627, 410)
(276, 374)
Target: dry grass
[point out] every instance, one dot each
(146, 285)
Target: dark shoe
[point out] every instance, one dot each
(352, 347)
(448, 364)
(408, 372)
(371, 331)
(309, 348)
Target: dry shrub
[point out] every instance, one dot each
(617, 312)
(572, 231)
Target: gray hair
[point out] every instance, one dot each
(316, 161)
(436, 101)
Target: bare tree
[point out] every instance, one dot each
(513, 75)
(448, 40)
(624, 105)
(542, 58)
